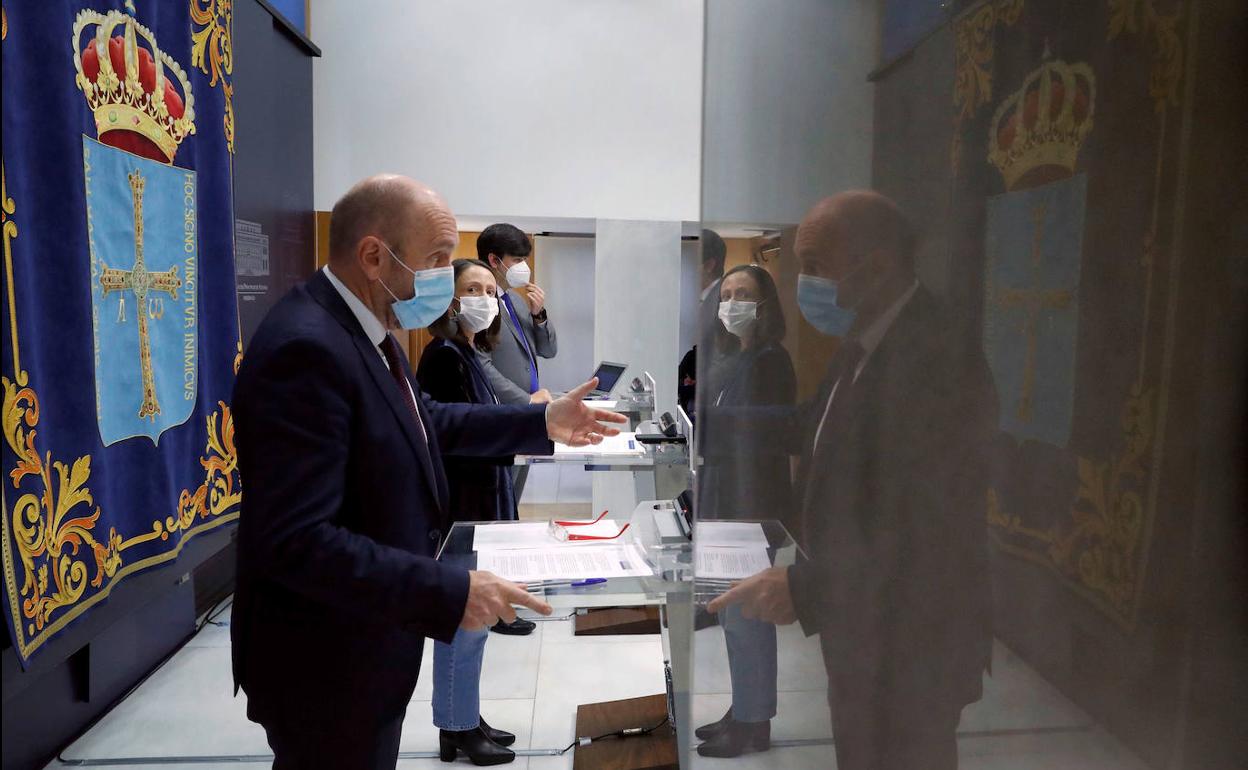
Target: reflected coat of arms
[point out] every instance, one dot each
(1034, 250)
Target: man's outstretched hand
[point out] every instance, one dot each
(764, 597)
(490, 599)
(569, 421)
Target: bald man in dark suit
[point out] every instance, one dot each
(346, 501)
(893, 495)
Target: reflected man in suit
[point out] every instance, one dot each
(714, 253)
(346, 499)
(892, 497)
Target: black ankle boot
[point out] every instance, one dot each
(501, 737)
(738, 738)
(706, 732)
(476, 744)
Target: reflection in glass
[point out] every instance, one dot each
(974, 366)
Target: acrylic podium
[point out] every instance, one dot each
(668, 552)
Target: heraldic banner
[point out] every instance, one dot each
(120, 326)
(1067, 123)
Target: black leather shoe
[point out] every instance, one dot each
(501, 737)
(517, 627)
(738, 738)
(474, 743)
(706, 732)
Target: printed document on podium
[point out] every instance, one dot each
(621, 445)
(714, 562)
(536, 564)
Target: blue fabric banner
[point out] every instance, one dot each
(906, 22)
(120, 326)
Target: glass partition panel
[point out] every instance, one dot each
(968, 385)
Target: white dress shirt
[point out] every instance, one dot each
(869, 339)
(373, 329)
(872, 335)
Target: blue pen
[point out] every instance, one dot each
(588, 582)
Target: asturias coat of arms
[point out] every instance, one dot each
(141, 225)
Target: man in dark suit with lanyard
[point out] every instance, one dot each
(893, 496)
(346, 497)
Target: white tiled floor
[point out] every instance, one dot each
(535, 683)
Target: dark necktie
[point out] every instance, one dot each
(394, 359)
(848, 356)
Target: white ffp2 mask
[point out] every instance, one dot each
(519, 275)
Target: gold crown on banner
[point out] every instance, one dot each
(129, 84)
(1036, 133)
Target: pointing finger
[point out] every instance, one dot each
(725, 600)
(517, 595)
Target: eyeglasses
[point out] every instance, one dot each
(559, 530)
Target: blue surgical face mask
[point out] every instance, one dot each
(816, 297)
(434, 289)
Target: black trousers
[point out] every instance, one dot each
(302, 743)
(876, 733)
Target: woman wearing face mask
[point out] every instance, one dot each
(751, 369)
(746, 482)
(480, 489)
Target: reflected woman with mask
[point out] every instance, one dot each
(747, 482)
(450, 370)
(751, 368)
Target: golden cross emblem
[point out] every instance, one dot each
(141, 282)
(1033, 301)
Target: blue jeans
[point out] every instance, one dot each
(751, 664)
(457, 680)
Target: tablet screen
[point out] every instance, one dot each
(608, 375)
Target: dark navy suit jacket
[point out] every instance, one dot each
(893, 507)
(343, 510)
(894, 500)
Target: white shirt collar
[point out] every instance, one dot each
(872, 336)
(373, 328)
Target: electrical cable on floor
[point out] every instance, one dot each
(550, 618)
(214, 612)
(628, 732)
(209, 618)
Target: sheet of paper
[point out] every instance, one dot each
(536, 534)
(622, 445)
(725, 563)
(534, 564)
(593, 403)
(520, 534)
(732, 533)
